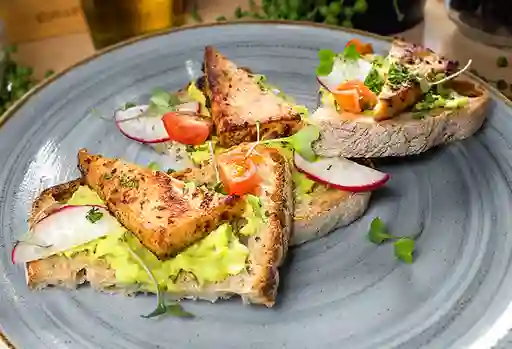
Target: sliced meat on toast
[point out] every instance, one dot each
(399, 92)
(238, 103)
(258, 284)
(165, 214)
(323, 211)
(405, 134)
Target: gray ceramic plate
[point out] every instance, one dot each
(337, 292)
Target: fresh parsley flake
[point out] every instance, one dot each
(94, 215)
(128, 182)
(378, 232)
(107, 176)
(399, 76)
(374, 81)
(404, 248)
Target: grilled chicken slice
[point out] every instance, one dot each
(238, 103)
(167, 215)
(417, 60)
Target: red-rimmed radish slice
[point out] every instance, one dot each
(65, 228)
(343, 71)
(342, 174)
(135, 125)
(193, 107)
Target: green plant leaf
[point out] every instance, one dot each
(160, 97)
(324, 68)
(378, 232)
(326, 55)
(404, 248)
(154, 166)
(351, 53)
(302, 141)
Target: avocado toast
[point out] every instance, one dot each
(239, 254)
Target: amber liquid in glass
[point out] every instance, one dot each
(112, 21)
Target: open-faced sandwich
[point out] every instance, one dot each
(400, 104)
(228, 106)
(126, 228)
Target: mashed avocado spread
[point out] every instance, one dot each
(212, 259)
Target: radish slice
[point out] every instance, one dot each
(145, 129)
(341, 173)
(343, 71)
(193, 107)
(63, 229)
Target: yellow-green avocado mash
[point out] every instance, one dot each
(212, 259)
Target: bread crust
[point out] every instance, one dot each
(403, 134)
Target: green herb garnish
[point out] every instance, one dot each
(162, 308)
(301, 142)
(326, 58)
(403, 246)
(128, 182)
(351, 53)
(374, 81)
(162, 101)
(399, 76)
(107, 176)
(94, 215)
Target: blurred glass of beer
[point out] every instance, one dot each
(111, 21)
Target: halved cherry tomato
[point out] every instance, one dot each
(187, 128)
(362, 48)
(367, 99)
(238, 174)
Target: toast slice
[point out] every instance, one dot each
(405, 134)
(165, 214)
(406, 58)
(238, 103)
(257, 283)
(315, 214)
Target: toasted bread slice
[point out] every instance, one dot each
(404, 134)
(316, 215)
(257, 284)
(238, 103)
(415, 59)
(161, 211)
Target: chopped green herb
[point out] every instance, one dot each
(404, 248)
(326, 58)
(128, 182)
(174, 309)
(374, 81)
(107, 176)
(154, 166)
(94, 215)
(399, 76)
(502, 62)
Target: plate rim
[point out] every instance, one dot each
(11, 111)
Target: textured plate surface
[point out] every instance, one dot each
(337, 292)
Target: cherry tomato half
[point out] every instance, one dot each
(239, 174)
(187, 128)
